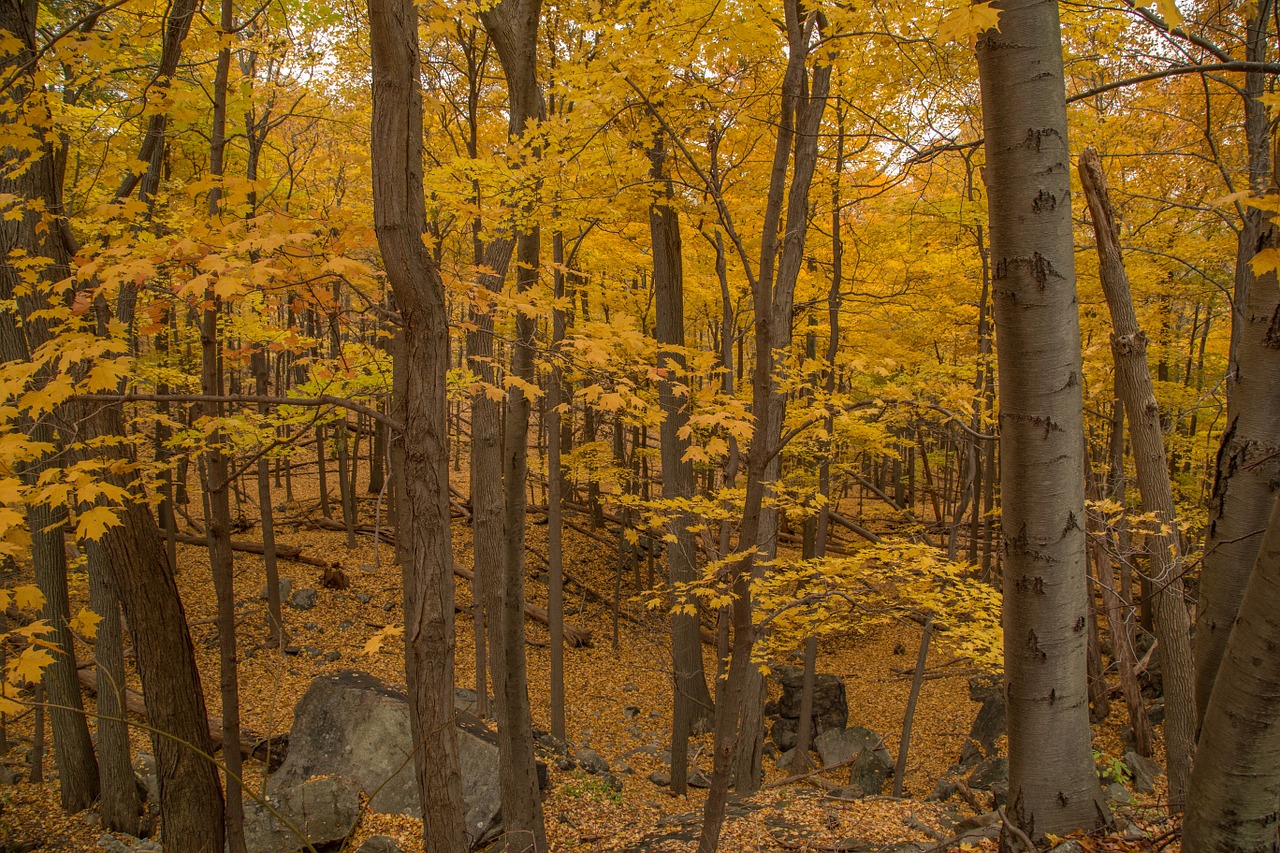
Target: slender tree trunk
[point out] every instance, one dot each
(422, 362)
(737, 714)
(512, 26)
(1053, 786)
(119, 805)
(1133, 380)
(217, 474)
(275, 616)
(917, 680)
(555, 501)
(691, 698)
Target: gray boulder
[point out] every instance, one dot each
(1144, 772)
(830, 704)
(990, 723)
(871, 763)
(992, 775)
(304, 599)
(353, 725)
(380, 844)
(321, 810)
(591, 761)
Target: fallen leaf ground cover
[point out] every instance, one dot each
(617, 697)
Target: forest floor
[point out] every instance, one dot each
(602, 682)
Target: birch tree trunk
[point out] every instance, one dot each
(1235, 784)
(1053, 786)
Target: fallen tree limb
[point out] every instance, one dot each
(848, 524)
(573, 635)
(251, 745)
(292, 553)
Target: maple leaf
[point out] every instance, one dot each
(28, 597)
(965, 24)
(85, 623)
(1168, 9)
(9, 703)
(1268, 260)
(31, 664)
(92, 523)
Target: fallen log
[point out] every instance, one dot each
(251, 745)
(291, 553)
(573, 635)
(848, 524)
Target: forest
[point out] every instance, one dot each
(639, 425)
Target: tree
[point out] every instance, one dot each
(1235, 782)
(422, 365)
(1133, 382)
(691, 700)
(1053, 786)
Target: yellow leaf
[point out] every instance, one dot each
(92, 523)
(28, 597)
(31, 664)
(374, 643)
(1168, 10)
(965, 24)
(9, 703)
(86, 623)
(1268, 260)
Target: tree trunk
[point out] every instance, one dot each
(1235, 782)
(555, 502)
(217, 474)
(422, 362)
(1133, 381)
(119, 804)
(275, 617)
(1053, 785)
(1247, 474)
(512, 26)
(691, 699)
(737, 730)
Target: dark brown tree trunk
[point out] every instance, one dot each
(119, 805)
(691, 699)
(1053, 785)
(512, 26)
(422, 362)
(555, 501)
(217, 476)
(275, 616)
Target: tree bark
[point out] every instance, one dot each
(119, 805)
(422, 363)
(738, 703)
(512, 26)
(691, 699)
(1133, 381)
(1235, 783)
(1246, 477)
(1053, 786)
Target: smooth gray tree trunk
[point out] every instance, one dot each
(1053, 786)
(1133, 381)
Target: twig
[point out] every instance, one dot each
(1027, 843)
